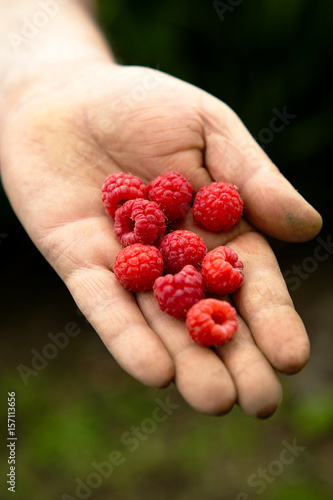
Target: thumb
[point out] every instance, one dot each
(270, 202)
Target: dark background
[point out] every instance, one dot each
(257, 56)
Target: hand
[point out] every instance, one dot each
(57, 149)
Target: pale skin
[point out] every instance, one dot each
(68, 123)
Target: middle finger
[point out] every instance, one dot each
(200, 375)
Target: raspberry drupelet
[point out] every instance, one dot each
(120, 187)
(217, 207)
(177, 293)
(139, 221)
(173, 193)
(181, 248)
(141, 213)
(222, 271)
(211, 322)
(138, 266)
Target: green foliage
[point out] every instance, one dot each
(313, 415)
(72, 415)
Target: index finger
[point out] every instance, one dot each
(85, 266)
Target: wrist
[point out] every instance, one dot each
(35, 59)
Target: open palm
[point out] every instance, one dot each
(57, 150)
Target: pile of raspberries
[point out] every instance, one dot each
(176, 264)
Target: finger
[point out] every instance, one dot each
(111, 310)
(270, 201)
(200, 375)
(265, 305)
(258, 388)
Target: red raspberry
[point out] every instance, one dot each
(217, 207)
(137, 267)
(181, 248)
(118, 188)
(173, 193)
(211, 322)
(139, 221)
(177, 293)
(222, 271)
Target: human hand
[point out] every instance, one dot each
(57, 149)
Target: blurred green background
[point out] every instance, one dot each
(258, 56)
